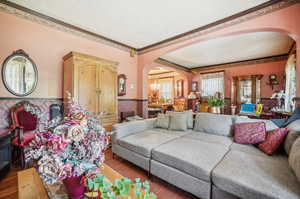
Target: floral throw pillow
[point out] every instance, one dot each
(250, 132)
(273, 140)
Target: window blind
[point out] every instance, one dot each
(212, 83)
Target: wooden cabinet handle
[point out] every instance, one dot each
(98, 91)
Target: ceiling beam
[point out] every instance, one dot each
(240, 63)
(171, 64)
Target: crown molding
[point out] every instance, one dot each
(241, 63)
(29, 14)
(26, 13)
(246, 15)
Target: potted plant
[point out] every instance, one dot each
(215, 104)
(100, 188)
(69, 149)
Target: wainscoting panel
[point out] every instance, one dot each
(6, 103)
(139, 106)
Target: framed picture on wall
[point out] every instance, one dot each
(121, 85)
(195, 86)
(179, 87)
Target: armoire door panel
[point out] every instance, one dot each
(108, 82)
(88, 87)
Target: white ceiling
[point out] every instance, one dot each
(139, 23)
(230, 49)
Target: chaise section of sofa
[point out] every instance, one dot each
(256, 176)
(190, 159)
(135, 140)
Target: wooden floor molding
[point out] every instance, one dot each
(163, 190)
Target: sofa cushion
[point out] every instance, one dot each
(178, 122)
(270, 126)
(162, 121)
(294, 158)
(290, 139)
(250, 149)
(194, 157)
(273, 141)
(250, 132)
(143, 142)
(253, 176)
(205, 137)
(293, 134)
(214, 124)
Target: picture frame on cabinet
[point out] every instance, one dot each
(195, 86)
(122, 84)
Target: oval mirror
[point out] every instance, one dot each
(19, 74)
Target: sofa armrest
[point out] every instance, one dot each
(127, 128)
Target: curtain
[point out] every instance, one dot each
(212, 83)
(166, 88)
(290, 84)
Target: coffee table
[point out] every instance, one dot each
(30, 185)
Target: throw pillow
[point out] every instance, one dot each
(270, 126)
(273, 141)
(294, 158)
(214, 124)
(290, 139)
(162, 121)
(250, 132)
(178, 122)
(190, 119)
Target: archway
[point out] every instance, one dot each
(180, 75)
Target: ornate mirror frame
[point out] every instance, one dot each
(122, 91)
(22, 53)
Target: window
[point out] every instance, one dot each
(166, 89)
(290, 84)
(212, 83)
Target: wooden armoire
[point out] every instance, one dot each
(92, 81)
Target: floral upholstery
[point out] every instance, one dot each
(250, 132)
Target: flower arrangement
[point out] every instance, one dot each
(69, 147)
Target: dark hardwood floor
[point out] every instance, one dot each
(9, 185)
(163, 190)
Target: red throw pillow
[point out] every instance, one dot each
(273, 140)
(250, 132)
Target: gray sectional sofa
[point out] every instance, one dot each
(205, 161)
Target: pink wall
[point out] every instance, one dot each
(46, 46)
(285, 20)
(265, 69)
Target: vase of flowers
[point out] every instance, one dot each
(215, 104)
(69, 149)
(74, 187)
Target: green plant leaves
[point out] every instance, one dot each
(121, 187)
